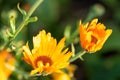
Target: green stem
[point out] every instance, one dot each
(78, 55)
(23, 23)
(73, 35)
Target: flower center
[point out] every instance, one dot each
(44, 60)
(94, 39)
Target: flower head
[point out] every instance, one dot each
(93, 35)
(61, 76)
(6, 61)
(66, 74)
(46, 56)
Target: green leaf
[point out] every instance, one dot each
(9, 33)
(12, 24)
(73, 48)
(67, 31)
(32, 19)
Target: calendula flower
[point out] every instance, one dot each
(6, 61)
(93, 35)
(71, 70)
(46, 56)
(60, 76)
(67, 75)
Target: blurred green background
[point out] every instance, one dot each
(55, 15)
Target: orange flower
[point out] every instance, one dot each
(46, 56)
(93, 35)
(6, 60)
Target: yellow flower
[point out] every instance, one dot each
(6, 59)
(61, 76)
(46, 56)
(68, 75)
(93, 35)
(71, 70)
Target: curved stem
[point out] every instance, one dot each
(78, 55)
(23, 23)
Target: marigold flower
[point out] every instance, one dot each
(61, 76)
(6, 59)
(66, 74)
(46, 56)
(93, 35)
(71, 70)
